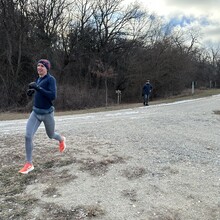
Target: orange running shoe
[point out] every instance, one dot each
(63, 144)
(27, 168)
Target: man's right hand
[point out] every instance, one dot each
(33, 85)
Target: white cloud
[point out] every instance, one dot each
(211, 34)
(204, 14)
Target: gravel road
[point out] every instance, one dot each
(160, 162)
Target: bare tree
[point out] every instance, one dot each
(14, 26)
(47, 20)
(111, 23)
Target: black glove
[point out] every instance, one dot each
(30, 92)
(33, 85)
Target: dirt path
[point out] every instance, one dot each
(149, 163)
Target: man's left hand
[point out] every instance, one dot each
(30, 92)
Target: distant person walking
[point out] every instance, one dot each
(146, 91)
(44, 90)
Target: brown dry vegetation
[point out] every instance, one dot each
(185, 95)
(16, 204)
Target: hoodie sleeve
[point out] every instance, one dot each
(51, 91)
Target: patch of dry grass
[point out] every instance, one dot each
(97, 168)
(14, 205)
(217, 112)
(134, 172)
(130, 194)
(52, 211)
(165, 214)
(81, 212)
(51, 191)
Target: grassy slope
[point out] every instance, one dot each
(185, 95)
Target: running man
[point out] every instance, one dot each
(44, 90)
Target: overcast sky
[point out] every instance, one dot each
(202, 14)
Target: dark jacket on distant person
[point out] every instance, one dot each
(147, 89)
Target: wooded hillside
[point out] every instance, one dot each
(97, 47)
